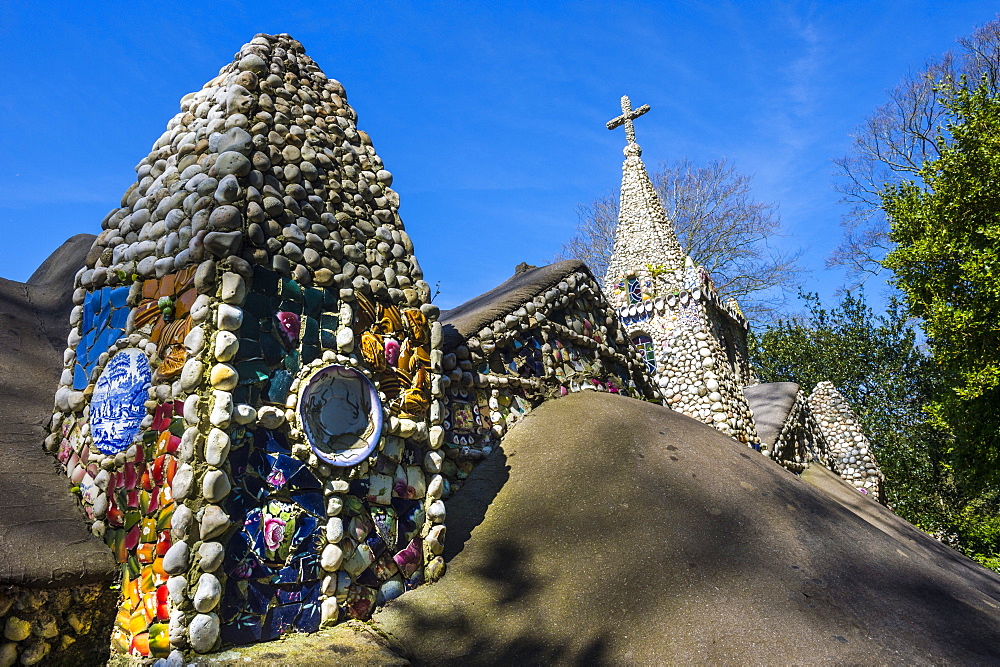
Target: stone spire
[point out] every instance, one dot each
(644, 235)
(693, 347)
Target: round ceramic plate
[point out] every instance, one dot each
(117, 407)
(341, 415)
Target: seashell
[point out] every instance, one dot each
(389, 383)
(404, 374)
(407, 354)
(423, 356)
(390, 322)
(366, 312)
(415, 402)
(421, 379)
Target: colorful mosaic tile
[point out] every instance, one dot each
(140, 507)
(104, 317)
(166, 305)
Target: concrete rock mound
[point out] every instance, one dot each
(42, 531)
(54, 575)
(609, 530)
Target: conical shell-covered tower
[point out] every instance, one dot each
(693, 343)
(252, 380)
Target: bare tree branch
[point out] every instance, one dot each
(717, 222)
(893, 142)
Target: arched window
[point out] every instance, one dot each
(645, 345)
(731, 354)
(634, 290)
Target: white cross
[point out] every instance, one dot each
(627, 117)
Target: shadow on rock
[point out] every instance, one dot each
(608, 530)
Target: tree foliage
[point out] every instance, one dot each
(718, 223)
(874, 361)
(890, 383)
(947, 264)
(892, 144)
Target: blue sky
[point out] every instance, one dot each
(490, 115)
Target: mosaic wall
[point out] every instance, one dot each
(252, 398)
(563, 340)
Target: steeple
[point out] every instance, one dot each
(694, 348)
(644, 235)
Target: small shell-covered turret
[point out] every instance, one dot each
(252, 380)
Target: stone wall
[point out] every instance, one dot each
(252, 379)
(67, 625)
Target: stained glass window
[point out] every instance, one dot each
(634, 290)
(645, 345)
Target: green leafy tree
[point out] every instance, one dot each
(946, 262)
(893, 142)
(890, 382)
(874, 361)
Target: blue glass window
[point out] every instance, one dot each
(634, 290)
(645, 345)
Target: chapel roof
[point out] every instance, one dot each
(468, 318)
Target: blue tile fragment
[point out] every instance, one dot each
(80, 378)
(119, 296)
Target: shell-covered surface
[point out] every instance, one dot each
(259, 248)
(694, 345)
